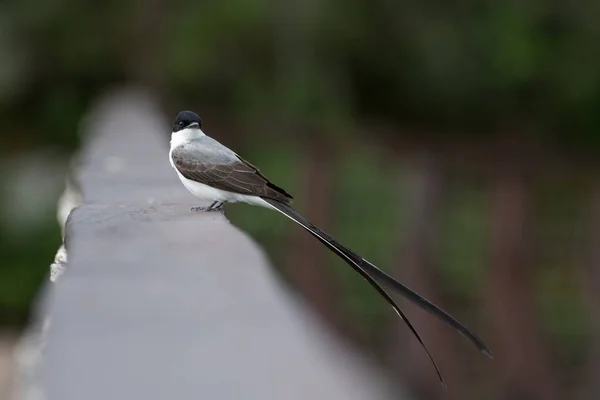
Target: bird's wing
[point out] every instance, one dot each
(207, 161)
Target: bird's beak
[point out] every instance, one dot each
(194, 125)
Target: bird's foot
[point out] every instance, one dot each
(215, 206)
(200, 209)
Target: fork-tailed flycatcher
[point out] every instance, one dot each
(213, 172)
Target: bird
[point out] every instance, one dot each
(215, 173)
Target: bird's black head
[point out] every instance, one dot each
(187, 119)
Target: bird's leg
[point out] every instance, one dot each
(215, 206)
(201, 209)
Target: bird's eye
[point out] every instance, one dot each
(181, 123)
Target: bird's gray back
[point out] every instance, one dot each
(206, 149)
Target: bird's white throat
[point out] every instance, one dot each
(184, 136)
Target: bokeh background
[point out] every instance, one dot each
(454, 143)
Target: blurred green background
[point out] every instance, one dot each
(454, 143)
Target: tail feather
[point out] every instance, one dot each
(359, 263)
(355, 263)
(421, 301)
(428, 306)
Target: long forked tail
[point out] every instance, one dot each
(355, 264)
(371, 273)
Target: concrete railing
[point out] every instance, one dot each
(158, 302)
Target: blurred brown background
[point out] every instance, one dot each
(453, 143)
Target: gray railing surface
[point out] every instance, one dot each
(158, 302)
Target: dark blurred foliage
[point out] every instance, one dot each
(453, 142)
(465, 66)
